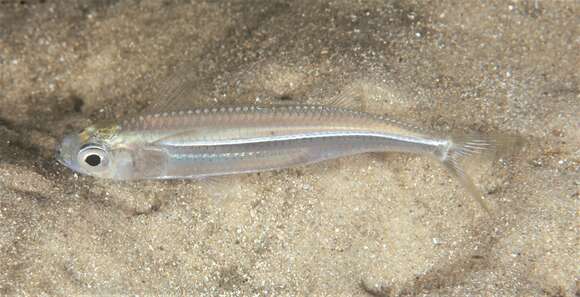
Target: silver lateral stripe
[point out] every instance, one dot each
(301, 136)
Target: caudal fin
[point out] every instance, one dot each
(465, 149)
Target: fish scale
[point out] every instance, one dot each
(254, 117)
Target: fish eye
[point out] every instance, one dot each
(92, 156)
(93, 160)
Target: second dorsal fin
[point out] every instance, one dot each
(182, 89)
(347, 101)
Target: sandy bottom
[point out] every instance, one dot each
(370, 225)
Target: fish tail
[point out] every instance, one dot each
(475, 149)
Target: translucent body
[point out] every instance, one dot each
(220, 141)
(210, 142)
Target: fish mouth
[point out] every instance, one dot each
(59, 158)
(66, 150)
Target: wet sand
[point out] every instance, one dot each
(369, 225)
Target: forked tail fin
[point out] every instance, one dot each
(463, 149)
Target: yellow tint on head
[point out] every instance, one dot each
(101, 131)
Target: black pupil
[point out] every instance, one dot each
(93, 160)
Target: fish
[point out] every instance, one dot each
(214, 141)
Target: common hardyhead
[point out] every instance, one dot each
(197, 143)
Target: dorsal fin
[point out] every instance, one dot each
(347, 98)
(187, 88)
(345, 101)
(180, 90)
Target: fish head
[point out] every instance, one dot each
(89, 151)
